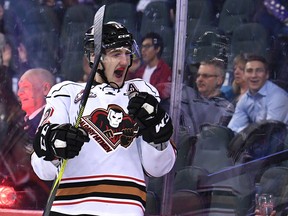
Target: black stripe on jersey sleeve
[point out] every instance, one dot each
(58, 96)
(64, 85)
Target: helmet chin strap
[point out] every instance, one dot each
(102, 74)
(104, 77)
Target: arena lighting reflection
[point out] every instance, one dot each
(7, 196)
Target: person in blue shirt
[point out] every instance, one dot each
(264, 100)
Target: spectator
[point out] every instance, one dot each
(239, 83)
(15, 165)
(210, 78)
(263, 100)
(9, 102)
(58, 7)
(34, 85)
(239, 86)
(207, 105)
(24, 64)
(154, 70)
(6, 58)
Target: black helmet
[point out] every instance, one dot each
(113, 35)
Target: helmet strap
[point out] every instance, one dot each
(102, 74)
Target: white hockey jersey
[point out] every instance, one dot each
(107, 178)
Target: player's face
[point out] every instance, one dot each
(116, 62)
(31, 95)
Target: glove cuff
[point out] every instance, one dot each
(41, 144)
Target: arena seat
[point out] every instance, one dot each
(77, 19)
(155, 15)
(250, 38)
(234, 13)
(200, 13)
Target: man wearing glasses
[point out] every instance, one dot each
(154, 69)
(210, 77)
(207, 104)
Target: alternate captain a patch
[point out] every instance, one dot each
(110, 127)
(132, 90)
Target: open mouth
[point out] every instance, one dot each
(119, 72)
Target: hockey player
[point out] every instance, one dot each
(123, 135)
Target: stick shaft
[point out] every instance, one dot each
(98, 23)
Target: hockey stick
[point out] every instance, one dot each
(98, 23)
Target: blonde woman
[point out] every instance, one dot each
(239, 85)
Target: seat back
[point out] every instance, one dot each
(250, 38)
(152, 203)
(167, 34)
(187, 202)
(156, 15)
(128, 19)
(231, 196)
(212, 145)
(41, 37)
(186, 149)
(258, 140)
(77, 19)
(234, 13)
(200, 13)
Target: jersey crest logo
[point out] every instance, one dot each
(110, 127)
(80, 95)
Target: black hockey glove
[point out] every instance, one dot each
(59, 141)
(155, 125)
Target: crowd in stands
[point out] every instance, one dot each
(234, 89)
